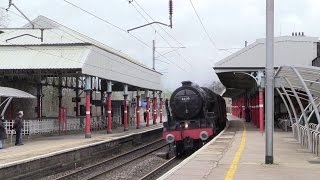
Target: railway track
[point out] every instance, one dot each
(156, 173)
(163, 168)
(109, 165)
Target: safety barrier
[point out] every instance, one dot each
(301, 132)
(313, 126)
(51, 125)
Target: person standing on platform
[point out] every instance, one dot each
(247, 111)
(145, 116)
(3, 133)
(18, 126)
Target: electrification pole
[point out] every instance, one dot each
(153, 55)
(269, 81)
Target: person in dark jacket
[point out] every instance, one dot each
(145, 116)
(3, 133)
(18, 126)
(247, 111)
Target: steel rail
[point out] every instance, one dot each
(93, 168)
(159, 169)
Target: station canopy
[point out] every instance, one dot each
(15, 93)
(53, 50)
(300, 78)
(236, 83)
(241, 71)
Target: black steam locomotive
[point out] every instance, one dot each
(195, 115)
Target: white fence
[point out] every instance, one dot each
(51, 125)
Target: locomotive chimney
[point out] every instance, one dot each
(186, 83)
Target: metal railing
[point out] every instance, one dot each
(51, 125)
(301, 132)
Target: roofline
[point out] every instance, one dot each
(82, 44)
(127, 58)
(238, 69)
(116, 52)
(55, 44)
(24, 28)
(277, 39)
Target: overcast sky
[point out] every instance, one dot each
(228, 22)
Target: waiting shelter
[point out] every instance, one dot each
(78, 81)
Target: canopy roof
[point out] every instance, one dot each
(64, 52)
(297, 49)
(15, 93)
(236, 83)
(297, 76)
(287, 50)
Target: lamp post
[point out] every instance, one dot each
(269, 80)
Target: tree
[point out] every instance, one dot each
(3, 18)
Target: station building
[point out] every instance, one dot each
(242, 72)
(76, 80)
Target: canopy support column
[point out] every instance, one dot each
(155, 107)
(303, 113)
(125, 108)
(309, 96)
(88, 107)
(138, 109)
(293, 110)
(109, 108)
(261, 113)
(286, 104)
(161, 104)
(147, 107)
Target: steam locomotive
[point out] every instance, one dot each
(195, 115)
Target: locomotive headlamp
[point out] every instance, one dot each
(186, 125)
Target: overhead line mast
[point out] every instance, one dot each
(157, 22)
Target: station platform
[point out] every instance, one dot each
(39, 148)
(239, 153)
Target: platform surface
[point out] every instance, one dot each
(46, 146)
(222, 159)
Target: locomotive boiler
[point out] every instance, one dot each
(195, 115)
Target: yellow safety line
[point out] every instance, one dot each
(236, 159)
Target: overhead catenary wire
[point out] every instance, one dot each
(163, 30)
(121, 29)
(136, 1)
(111, 24)
(205, 30)
(155, 29)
